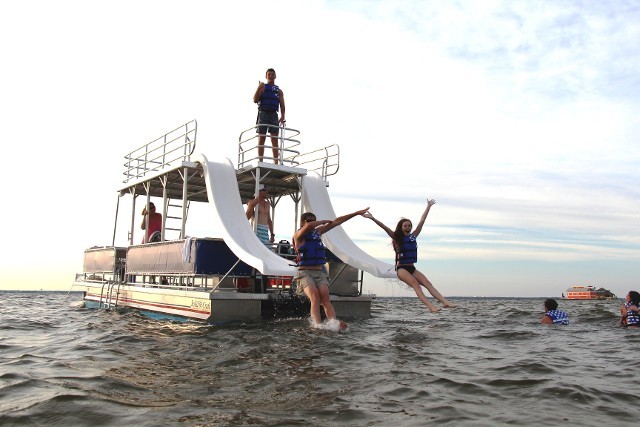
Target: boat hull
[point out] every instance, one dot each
(213, 307)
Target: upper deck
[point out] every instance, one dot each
(159, 167)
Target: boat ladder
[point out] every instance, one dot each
(109, 301)
(175, 218)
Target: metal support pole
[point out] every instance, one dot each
(165, 206)
(256, 209)
(225, 276)
(115, 222)
(145, 234)
(133, 215)
(185, 189)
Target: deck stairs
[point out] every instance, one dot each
(174, 220)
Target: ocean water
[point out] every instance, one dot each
(487, 362)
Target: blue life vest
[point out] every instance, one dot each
(407, 253)
(311, 252)
(270, 99)
(633, 318)
(558, 317)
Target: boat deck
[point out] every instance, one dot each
(235, 277)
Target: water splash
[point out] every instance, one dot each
(333, 325)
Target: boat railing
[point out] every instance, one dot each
(168, 150)
(248, 146)
(325, 161)
(94, 277)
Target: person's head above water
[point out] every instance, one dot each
(550, 304)
(634, 298)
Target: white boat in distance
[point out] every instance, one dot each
(234, 277)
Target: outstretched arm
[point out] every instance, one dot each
(298, 237)
(336, 222)
(381, 225)
(418, 228)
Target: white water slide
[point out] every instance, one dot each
(224, 197)
(316, 199)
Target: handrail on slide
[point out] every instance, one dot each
(169, 149)
(325, 161)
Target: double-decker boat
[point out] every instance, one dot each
(588, 292)
(229, 275)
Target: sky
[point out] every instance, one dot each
(521, 118)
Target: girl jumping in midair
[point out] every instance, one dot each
(406, 248)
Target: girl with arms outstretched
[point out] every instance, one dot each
(406, 248)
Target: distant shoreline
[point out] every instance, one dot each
(33, 291)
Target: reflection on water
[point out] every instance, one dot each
(487, 362)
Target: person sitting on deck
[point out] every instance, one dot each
(552, 315)
(155, 222)
(264, 229)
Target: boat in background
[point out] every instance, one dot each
(588, 292)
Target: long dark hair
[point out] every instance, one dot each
(635, 298)
(550, 304)
(398, 235)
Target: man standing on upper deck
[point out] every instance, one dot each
(269, 98)
(264, 229)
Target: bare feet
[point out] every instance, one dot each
(450, 305)
(434, 309)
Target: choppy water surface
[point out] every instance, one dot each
(487, 362)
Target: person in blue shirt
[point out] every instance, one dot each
(552, 315)
(270, 99)
(406, 248)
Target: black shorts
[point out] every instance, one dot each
(409, 268)
(267, 118)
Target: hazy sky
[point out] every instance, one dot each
(521, 118)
